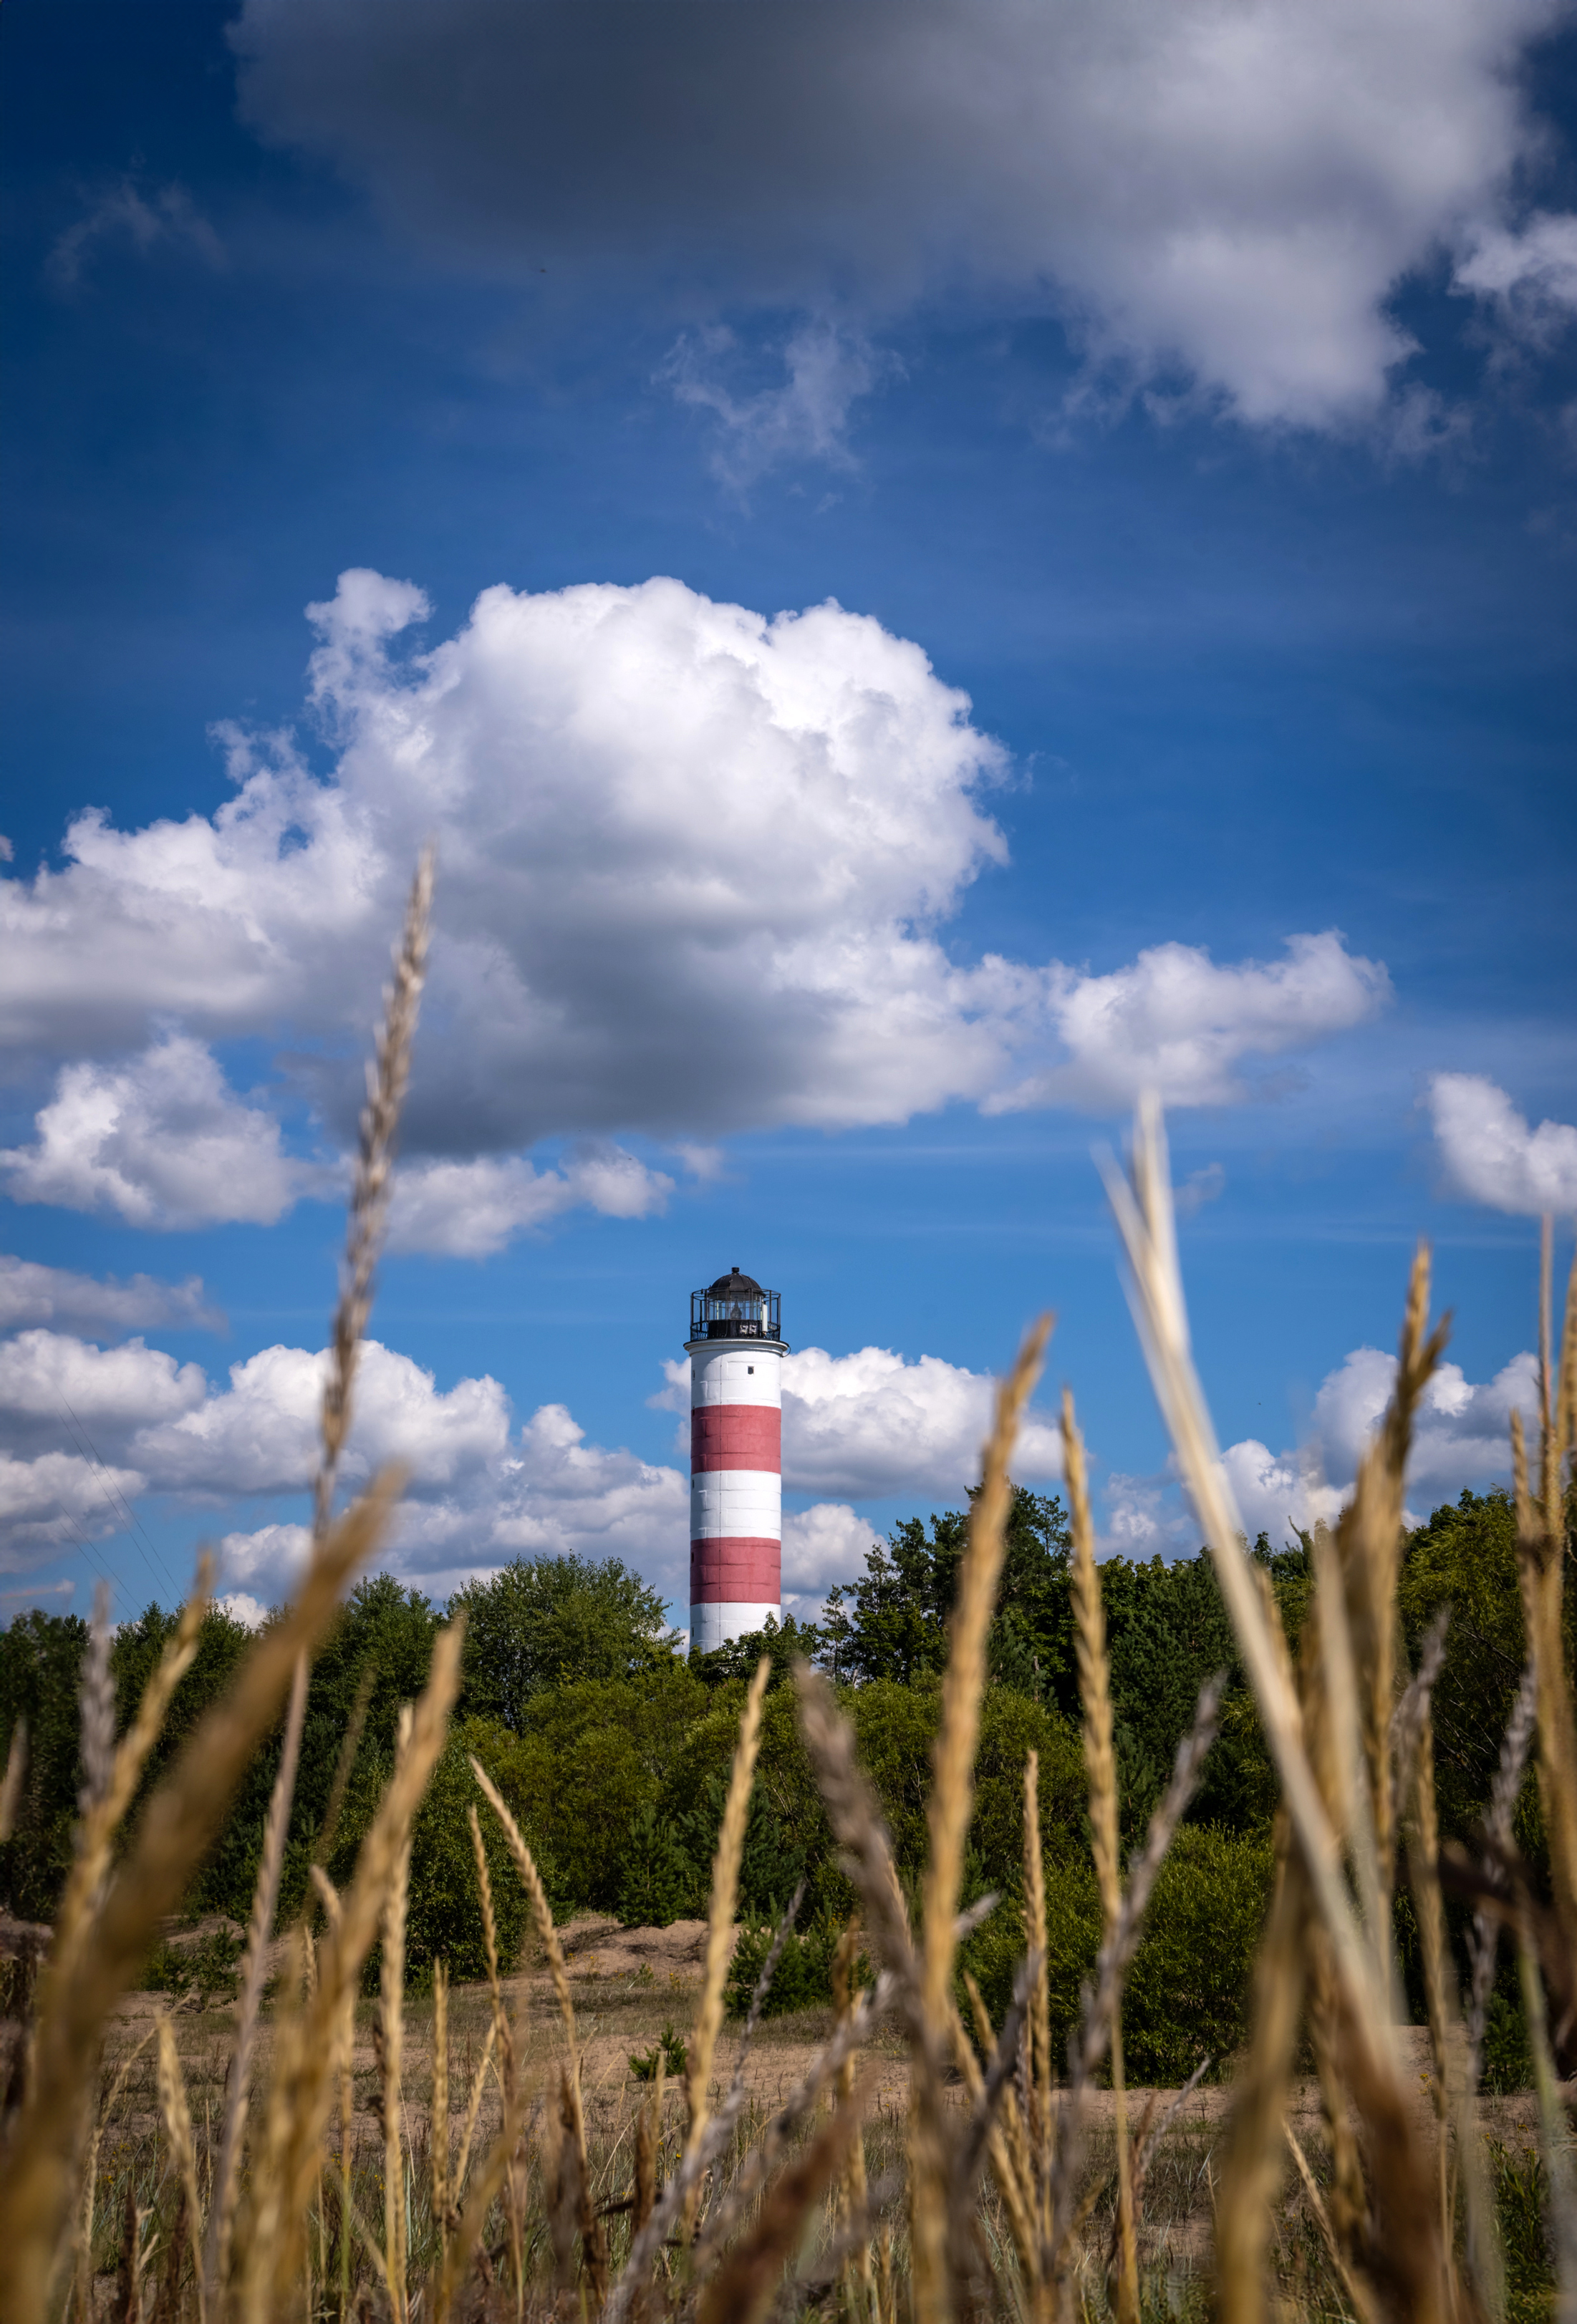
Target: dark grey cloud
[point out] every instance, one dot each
(1235, 189)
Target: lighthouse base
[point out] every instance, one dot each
(719, 1620)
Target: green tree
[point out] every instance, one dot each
(892, 1623)
(41, 1667)
(544, 1620)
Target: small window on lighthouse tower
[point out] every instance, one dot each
(750, 1367)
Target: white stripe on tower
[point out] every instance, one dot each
(735, 1484)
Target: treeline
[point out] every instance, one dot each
(613, 1750)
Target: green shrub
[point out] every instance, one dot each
(669, 2052)
(207, 1967)
(803, 1976)
(1188, 1992)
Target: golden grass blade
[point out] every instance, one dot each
(345, 1765)
(474, 2107)
(857, 1825)
(1252, 2175)
(306, 2065)
(175, 1831)
(1100, 1763)
(177, 2114)
(721, 1908)
(964, 1682)
(264, 1899)
(855, 2189)
(948, 1817)
(1541, 1560)
(541, 1912)
(437, 2127)
(743, 2286)
(459, 2248)
(593, 2241)
(113, 1775)
(1038, 2100)
(1005, 2144)
(372, 1185)
(1353, 2292)
(392, 2008)
(1143, 1214)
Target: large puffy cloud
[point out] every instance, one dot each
(693, 865)
(1231, 191)
(875, 1423)
(32, 1293)
(161, 1139)
(1492, 1155)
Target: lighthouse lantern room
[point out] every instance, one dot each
(736, 1349)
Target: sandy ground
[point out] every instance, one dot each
(629, 1984)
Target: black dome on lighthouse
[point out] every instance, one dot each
(733, 1282)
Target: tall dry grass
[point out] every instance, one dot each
(995, 2190)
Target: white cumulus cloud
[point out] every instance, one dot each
(32, 1293)
(471, 1209)
(694, 868)
(1492, 1155)
(1230, 194)
(1176, 1023)
(163, 1140)
(825, 1543)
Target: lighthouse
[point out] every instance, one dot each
(736, 1349)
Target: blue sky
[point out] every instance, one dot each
(1190, 390)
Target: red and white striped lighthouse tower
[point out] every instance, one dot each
(735, 1352)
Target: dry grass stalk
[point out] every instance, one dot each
(592, 2239)
(1369, 1538)
(392, 2018)
(265, 1900)
(1143, 1213)
(1006, 2145)
(1252, 2175)
(1541, 1560)
(387, 1076)
(1087, 2046)
(111, 1774)
(1483, 1939)
(721, 1906)
(1100, 1763)
(176, 1829)
(648, 2144)
(742, 2287)
(438, 2127)
(307, 2055)
(177, 2117)
(855, 2189)
(1037, 2107)
(856, 1824)
(948, 1818)
(345, 1764)
(1353, 2291)
(758, 2166)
